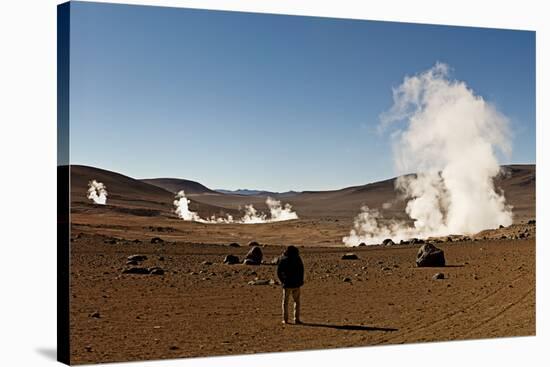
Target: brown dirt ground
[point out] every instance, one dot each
(196, 309)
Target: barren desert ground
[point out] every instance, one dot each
(199, 306)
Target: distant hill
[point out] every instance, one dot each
(174, 185)
(128, 195)
(247, 192)
(517, 181)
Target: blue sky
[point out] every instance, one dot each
(236, 100)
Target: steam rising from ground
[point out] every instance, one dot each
(278, 213)
(97, 192)
(451, 137)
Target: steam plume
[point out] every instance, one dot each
(251, 215)
(97, 192)
(451, 136)
(182, 208)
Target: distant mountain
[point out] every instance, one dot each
(247, 192)
(517, 181)
(174, 185)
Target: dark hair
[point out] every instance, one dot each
(292, 251)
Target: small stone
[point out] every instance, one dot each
(95, 315)
(234, 244)
(137, 258)
(157, 240)
(350, 256)
(156, 270)
(231, 259)
(438, 276)
(346, 280)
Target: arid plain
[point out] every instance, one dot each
(199, 306)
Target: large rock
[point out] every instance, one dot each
(137, 258)
(231, 259)
(388, 242)
(429, 255)
(349, 256)
(254, 256)
(136, 270)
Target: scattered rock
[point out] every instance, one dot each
(136, 241)
(416, 241)
(206, 263)
(428, 255)
(438, 276)
(231, 259)
(501, 226)
(111, 241)
(362, 244)
(161, 258)
(157, 240)
(349, 256)
(173, 347)
(254, 256)
(253, 243)
(132, 262)
(234, 244)
(385, 268)
(144, 271)
(135, 270)
(95, 315)
(137, 258)
(346, 280)
(449, 239)
(532, 221)
(388, 242)
(156, 270)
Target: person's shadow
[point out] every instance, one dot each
(348, 327)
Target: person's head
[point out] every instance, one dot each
(292, 251)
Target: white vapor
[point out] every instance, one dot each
(97, 192)
(182, 208)
(451, 138)
(251, 215)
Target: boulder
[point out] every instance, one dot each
(416, 241)
(253, 243)
(250, 262)
(156, 271)
(349, 256)
(231, 259)
(362, 244)
(254, 256)
(137, 257)
(135, 270)
(429, 256)
(388, 242)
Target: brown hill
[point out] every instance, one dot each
(174, 185)
(517, 181)
(127, 195)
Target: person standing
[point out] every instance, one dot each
(290, 271)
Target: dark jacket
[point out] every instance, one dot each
(290, 269)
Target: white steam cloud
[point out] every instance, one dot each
(97, 192)
(278, 213)
(451, 138)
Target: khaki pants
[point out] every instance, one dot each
(295, 292)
